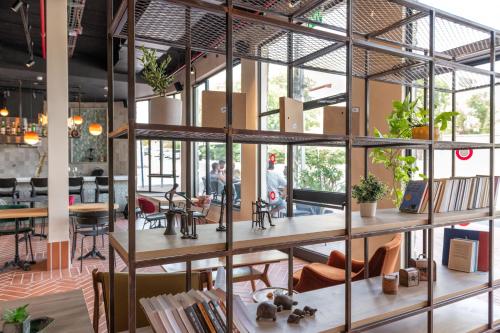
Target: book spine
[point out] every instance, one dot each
(213, 318)
(204, 317)
(193, 318)
(214, 309)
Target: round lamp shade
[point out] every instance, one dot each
(77, 120)
(4, 112)
(31, 138)
(95, 129)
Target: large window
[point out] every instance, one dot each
(210, 158)
(158, 161)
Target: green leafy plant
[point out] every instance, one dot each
(322, 170)
(16, 316)
(154, 72)
(369, 189)
(405, 115)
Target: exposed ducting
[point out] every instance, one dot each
(75, 13)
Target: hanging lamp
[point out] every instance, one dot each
(4, 112)
(95, 129)
(77, 118)
(30, 137)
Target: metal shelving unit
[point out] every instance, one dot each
(393, 41)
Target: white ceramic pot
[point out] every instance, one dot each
(368, 209)
(166, 111)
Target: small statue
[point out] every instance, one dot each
(221, 226)
(260, 209)
(285, 301)
(309, 311)
(299, 312)
(267, 310)
(188, 226)
(293, 319)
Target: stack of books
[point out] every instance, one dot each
(195, 312)
(463, 255)
(449, 195)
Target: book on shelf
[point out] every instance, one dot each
(463, 255)
(195, 311)
(449, 194)
(481, 236)
(413, 197)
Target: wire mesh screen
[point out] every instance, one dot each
(458, 40)
(164, 22)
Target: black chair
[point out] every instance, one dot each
(8, 227)
(8, 188)
(89, 224)
(101, 187)
(76, 187)
(237, 193)
(97, 172)
(39, 187)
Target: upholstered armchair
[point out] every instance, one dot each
(318, 275)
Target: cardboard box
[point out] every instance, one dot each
(291, 115)
(213, 109)
(334, 118)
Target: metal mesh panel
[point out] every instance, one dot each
(282, 7)
(165, 23)
(330, 12)
(258, 41)
(333, 61)
(458, 40)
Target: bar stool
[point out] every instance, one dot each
(8, 188)
(101, 187)
(76, 187)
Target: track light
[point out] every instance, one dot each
(193, 70)
(30, 63)
(17, 5)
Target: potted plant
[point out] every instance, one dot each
(163, 110)
(16, 320)
(368, 192)
(406, 121)
(409, 121)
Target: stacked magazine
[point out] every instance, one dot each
(195, 311)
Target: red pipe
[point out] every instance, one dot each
(42, 26)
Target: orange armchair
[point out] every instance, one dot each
(317, 275)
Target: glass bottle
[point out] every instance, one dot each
(2, 129)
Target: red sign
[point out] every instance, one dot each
(272, 195)
(464, 154)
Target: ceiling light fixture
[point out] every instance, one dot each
(95, 129)
(39, 78)
(30, 137)
(30, 63)
(4, 112)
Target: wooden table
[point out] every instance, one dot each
(68, 309)
(161, 201)
(17, 215)
(90, 207)
(242, 263)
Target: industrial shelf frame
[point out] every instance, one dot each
(357, 43)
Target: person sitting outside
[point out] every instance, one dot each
(275, 184)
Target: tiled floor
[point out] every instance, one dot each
(19, 284)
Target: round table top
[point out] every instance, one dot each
(90, 207)
(267, 294)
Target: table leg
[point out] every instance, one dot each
(94, 253)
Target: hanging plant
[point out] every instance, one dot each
(155, 72)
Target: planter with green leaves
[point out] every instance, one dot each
(16, 320)
(368, 192)
(406, 121)
(163, 110)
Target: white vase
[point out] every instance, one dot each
(368, 209)
(166, 111)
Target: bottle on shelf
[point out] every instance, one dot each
(13, 129)
(2, 129)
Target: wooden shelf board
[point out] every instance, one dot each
(369, 303)
(152, 244)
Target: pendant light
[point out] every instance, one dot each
(77, 118)
(30, 137)
(4, 112)
(95, 129)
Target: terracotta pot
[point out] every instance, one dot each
(422, 133)
(367, 209)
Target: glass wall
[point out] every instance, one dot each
(158, 161)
